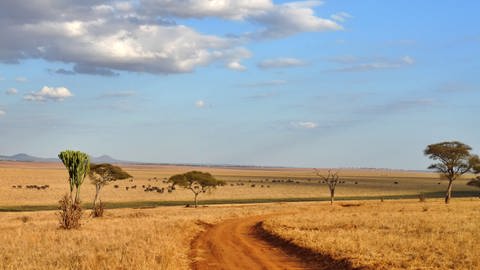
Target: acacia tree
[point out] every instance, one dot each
(454, 160)
(78, 165)
(476, 169)
(197, 182)
(332, 180)
(101, 174)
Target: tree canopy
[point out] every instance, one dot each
(196, 181)
(453, 160)
(104, 173)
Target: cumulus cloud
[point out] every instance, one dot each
(49, 93)
(305, 124)
(200, 104)
(281, 63)
(353, 64)
(2, 112)
(103, 37)
(11, 91)
(292, 18)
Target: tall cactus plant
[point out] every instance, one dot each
(78, 166)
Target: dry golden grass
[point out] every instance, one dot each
(370, 183)
(124, 239)
(390, 235)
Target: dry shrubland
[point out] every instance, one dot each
(390, 235)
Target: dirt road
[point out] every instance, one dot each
(240, 244)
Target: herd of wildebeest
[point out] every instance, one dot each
(262, 183)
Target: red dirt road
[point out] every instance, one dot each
(238, 244)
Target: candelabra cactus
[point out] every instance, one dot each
(78, 166)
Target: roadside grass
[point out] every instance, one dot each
(153, 204)
(397, 234)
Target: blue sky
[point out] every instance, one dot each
(343, 83)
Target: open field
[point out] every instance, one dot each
(401, 234)
(124, 239)
(394, 235)
(270, 184)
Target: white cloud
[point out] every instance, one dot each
(200, 104)
(407, 60)
(235, 65)
(104, 37)
(354, 64)
(292, 18)
(226, 9)
(21, 79)
(2, 113)
(11, 91)
(341, 16)
(49, 93)
(281, 63)
(305, 124)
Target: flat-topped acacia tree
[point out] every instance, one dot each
(102, 174)
(454, 160)
(197, 182)
(78, 165)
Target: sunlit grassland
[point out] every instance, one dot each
(391, 235)
(123, 239)
(270, 184)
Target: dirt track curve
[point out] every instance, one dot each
(242, 244)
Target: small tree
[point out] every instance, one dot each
(101, 174)
(78, 165)
(197, 182)
(476, 169)
(454, 160)
(332, 180)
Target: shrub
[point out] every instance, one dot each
(97, 210)
(70, 213)
(422, 197)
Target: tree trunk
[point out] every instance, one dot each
(97, 192)
(196, 200)
(449, 192)
(332, 196)
(77, 195)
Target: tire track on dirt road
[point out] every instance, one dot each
(241, 243)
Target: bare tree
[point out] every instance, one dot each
(332, 179)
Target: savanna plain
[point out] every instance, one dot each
(377, 221)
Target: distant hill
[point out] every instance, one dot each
(22, 157)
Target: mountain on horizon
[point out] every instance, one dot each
(22, 157)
